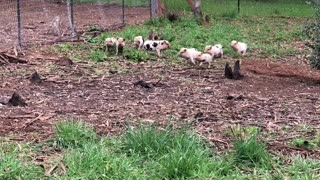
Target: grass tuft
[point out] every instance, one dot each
(95, 161)
(73, 134)
(176, 153)
(251, 152)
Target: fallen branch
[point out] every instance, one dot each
(11, 59)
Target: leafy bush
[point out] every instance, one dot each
(312, 32)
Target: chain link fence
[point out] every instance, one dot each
(34, 22)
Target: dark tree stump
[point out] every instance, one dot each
(228, 71)
(236, 70)
(16, 100)
(35, 78)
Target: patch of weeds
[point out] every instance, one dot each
(303, 143)
(14, 165)
(74, 133)
(230, 14)
(251, 152)
(65, 48)
(304, 169)
(238, 131)
(316, 139)
(95, 161)
(97, 55)
(136, 55)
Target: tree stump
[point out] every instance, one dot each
(228, 71)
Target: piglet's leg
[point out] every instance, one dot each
(158, 52)
(117, 49)
(192, 60)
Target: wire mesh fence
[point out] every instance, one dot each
(25, 22)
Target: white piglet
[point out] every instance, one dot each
(115, 43)
(205, 57)
(239, 47)
(157, 46)
(189, 53)
(216, 50)
(138, 42)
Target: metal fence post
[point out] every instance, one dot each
(71, 18)
(123, 12)
(150, 8)
(239, 6)
(154, 8)
(19, 22)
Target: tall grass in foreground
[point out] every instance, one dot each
(148, 153)
(177, 153)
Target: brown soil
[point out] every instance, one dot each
(282, 99)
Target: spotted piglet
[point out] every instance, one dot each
(216, 50)
(157, 46)
(189, 53)
(239, 47)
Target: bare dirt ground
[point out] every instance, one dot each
(37, 17)
(280, 98)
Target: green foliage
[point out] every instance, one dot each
(251, 152)
(304, 169)
(97, 55)
(148, 153)
(301, 142)
(72, 134)
(312, 32)
(136, 55)
(15, 166)
(177, 153)
(95, 161)
(247, 7)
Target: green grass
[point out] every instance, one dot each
(127, 2)
(229, 8)
(250, 152)
(147, 152)
(266, 38)
(15, 165)
(73, 133)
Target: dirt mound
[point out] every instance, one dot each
(270, 68)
